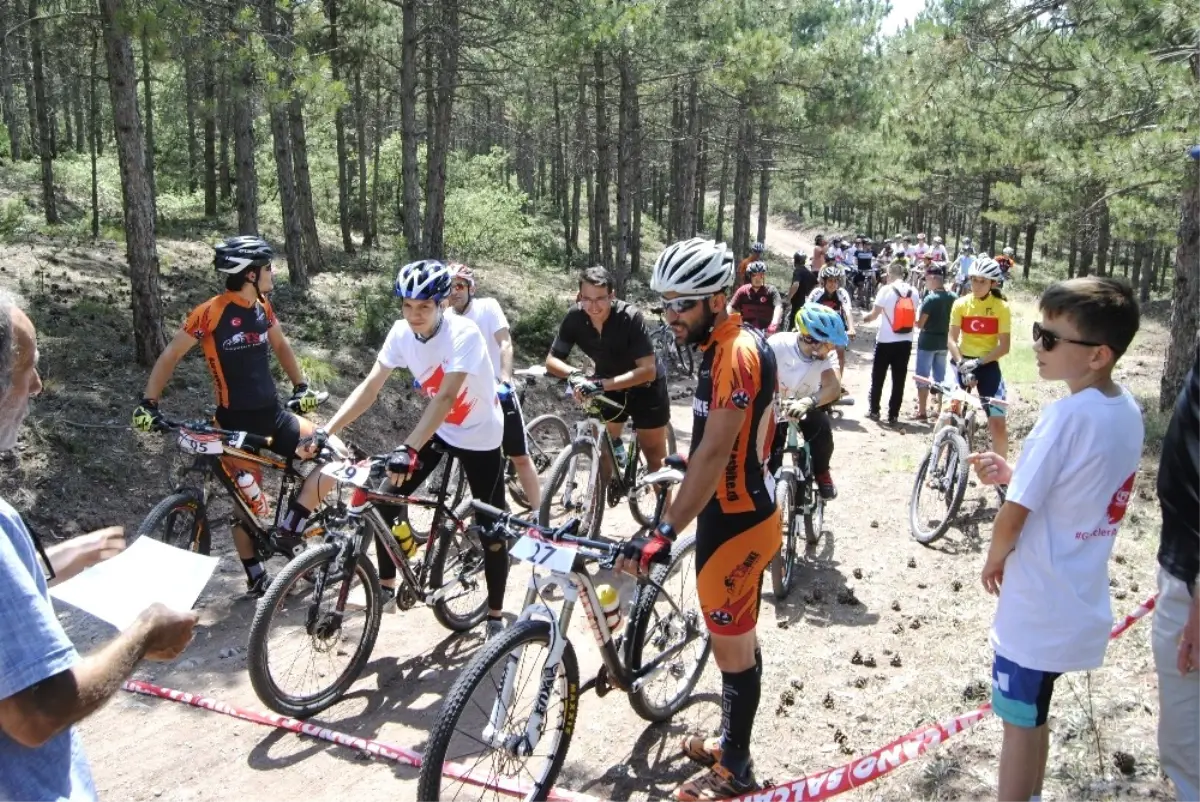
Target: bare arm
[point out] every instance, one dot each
(164, 366)
(435, 414)
(705, 466)
(38, 713)
(645, 370)
(831, 388)
(1005, 532)
(793, 288)
(558, 367)
(778, 313)
(922, 320)
(360, 400)
(952, 342)
(506, 355)
(874, 313)
(70, 557)
(285, 354)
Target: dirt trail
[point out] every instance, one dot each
(880, 636)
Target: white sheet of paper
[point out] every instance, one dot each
(118, 590)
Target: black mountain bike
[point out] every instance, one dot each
(509, 717)
(680, 360)
(182, 518)
(316, 626)
(575, 486)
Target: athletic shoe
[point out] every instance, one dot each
(717, 783)
(705, 751)
(258, 586)
(494, 627)
(389, 599)
(873, 416)
(826, 486)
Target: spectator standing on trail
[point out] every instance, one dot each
(45, 686)
(963, 263)
(803, 282)
(759, 303)
(1176, 636)
(896, 302)
(1053, 536)
(933, 320)
(818, 255)
(756, 255)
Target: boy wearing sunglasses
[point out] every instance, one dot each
(1051, 541)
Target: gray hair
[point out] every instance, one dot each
(8, 343)
(897, 270)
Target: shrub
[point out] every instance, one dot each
(377, 311)
(533, 333)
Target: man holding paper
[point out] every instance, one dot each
(45, 686)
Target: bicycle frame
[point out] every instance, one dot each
(596, 428)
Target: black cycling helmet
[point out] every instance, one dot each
(799, 258)
(242, 252)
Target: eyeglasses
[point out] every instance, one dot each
(804, 338)
(681, 305)
(601, 301)
(460, 285)
(1050, 340)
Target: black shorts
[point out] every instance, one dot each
(648, 405)
(274, 422)
(513, 443)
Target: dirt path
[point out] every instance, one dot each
(880, 636)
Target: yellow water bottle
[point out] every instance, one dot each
(404, 537)
(610, 603)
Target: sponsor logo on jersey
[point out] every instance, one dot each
(243, 339)
(700, 407)
(462, 405)
(236, 322)
(1120, 500)
(740, 398)
(721, 618)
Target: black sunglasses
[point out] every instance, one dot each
(1050, 340)
(681, 305)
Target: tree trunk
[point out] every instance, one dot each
(148, 89)
(7, 96)
(46, 135)
(688, 154)
(1087, 247)
(81, 137)
(1030, 233)
(210, 137)
(636, 181)
(243, 145)
(720, 234)
(988, 241)
(339, 123)
(1150, 276)
(700, 202)
(225, 117)
(31, 106)
(140, 248)
(279, 40)
(378, 125)
(742, 181)
(439, 142)
(561, 191)
(94, 134)
(1103, 239)
(193, 142)
(409, 170)
(1139, 257)
(600, 212)
(764, 193)
(628, 174)
(360, 135)
(1072, 254)
(579, 166)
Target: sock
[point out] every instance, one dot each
(825, 478)
(295, 518)
(740, 693)
(253, 568)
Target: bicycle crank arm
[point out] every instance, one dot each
(443, 593)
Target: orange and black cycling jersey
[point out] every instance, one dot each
(233, 335)
(738, 371)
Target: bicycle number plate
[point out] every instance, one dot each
(349, 473)
(552, 556)
(196, 443)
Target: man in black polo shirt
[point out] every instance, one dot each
(1176, 635)
(804, 281)
(613, 335)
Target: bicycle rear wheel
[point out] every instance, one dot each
(783, 567)
(306, 651)
(179, 520)
(545, 437)
(643, 503)
(481, 726)
(456, 567)
(656, 627)
(572, 488)
(939, 487)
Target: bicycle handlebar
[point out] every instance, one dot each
(560, 534)
(945, 388)
(200, 427)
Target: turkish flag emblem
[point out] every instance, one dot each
(1120, 500)
(981, 325)
(462, 406)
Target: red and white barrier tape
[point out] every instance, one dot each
(813, 787)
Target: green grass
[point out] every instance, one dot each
(1020, 365)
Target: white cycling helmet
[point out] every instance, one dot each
(1009, 251)
(830, 271)
(986, 267)
(693, 267)
(937, 240)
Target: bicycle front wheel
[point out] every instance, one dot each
(545, 437)
(306, 650)
(179, 520)
(456, 569)
(671, 637)
(783, 567)
(501, 701)
(572, 488)
(939, 487)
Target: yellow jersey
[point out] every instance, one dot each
(982, 322)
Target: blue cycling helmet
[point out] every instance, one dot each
(424, 280)
(822, 324)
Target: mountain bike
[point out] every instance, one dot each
(509, 717)
(573, 486)
(680, 360)
(798, 500)
(314, 602)
(865, 289)
(181, 519)
(942, 475)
